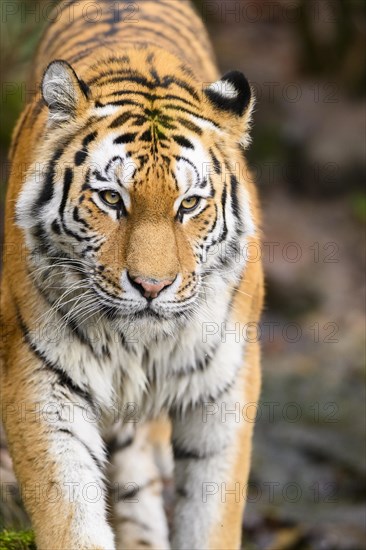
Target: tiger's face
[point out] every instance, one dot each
(141, 194)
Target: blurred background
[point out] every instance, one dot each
(306, 62)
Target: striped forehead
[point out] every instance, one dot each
(114, 157)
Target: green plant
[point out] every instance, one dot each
(22, 540)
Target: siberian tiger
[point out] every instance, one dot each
(129, 295)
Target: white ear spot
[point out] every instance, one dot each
(225, 89)
(62, 91)
(232, 93)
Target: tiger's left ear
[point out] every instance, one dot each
(63, 92)
(232, 96)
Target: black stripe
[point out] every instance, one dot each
(99, 104)
(178, 158)
(91, 41)
(90, 138)
(135, 79)
(97, 462)
(75, 215)
(184, 454)
(43, 245)
(184, 110)
(212, 398)
(216, 162)
(125, 138)
(112, 161)
(106, 61)
(81, 54)
(121, 119)
(63, 378)
(181, 492)
(85, 88)
(167, 80)
(144, 159)
(199, 366)
(115, 446)
(234, 196)
(46, 193)
(68, 177)
(146, 136)
(75, 329)
(98, 176)
(223, 206)
(190, 125)
(166, 122)
(168, 19)
(178, 98)
(126, 495)
(47, 189)
(104, 77)
(53, 40)
(152, 97)
(139, 120)
(55, 226)
(81, 155)
(183, 142)
(124, 341)
(106, 74)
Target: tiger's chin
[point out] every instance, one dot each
(149, 326)
(151, 321)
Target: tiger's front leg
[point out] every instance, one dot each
(58, 453)
(212, 449)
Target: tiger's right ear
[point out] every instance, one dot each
(232, 97)
(63, 92)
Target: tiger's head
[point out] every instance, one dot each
(138, 192)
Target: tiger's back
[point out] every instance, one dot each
(112, 28)
(130, 205)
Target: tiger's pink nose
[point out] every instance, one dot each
(149, 288)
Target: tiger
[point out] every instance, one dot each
(131, 287)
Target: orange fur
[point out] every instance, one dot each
(149, 242)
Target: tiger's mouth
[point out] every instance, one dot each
(151, 310)
(132, 304)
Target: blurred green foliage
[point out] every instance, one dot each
(358, 201)
(19, 32)
(22, 540)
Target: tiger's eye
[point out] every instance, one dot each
(190, 203)
(111, 197)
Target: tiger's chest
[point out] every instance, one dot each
(132, 377)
